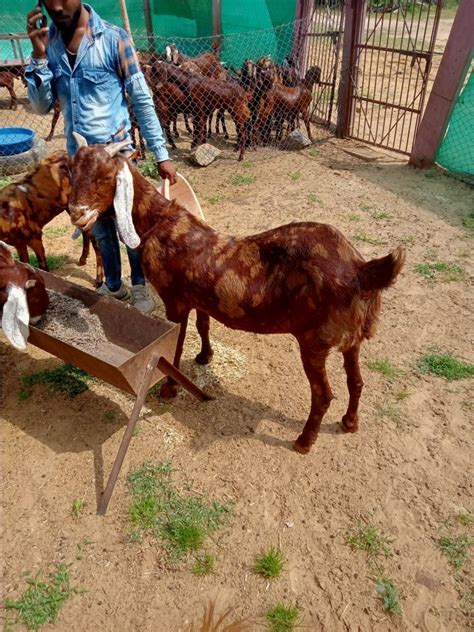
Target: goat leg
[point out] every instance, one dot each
(22, 250)
(314, 364)
(36, 245)
(169, 390)
(187, 125)
(86, 242)
(175, 129)
(202, 325)
(306, 119)
(56, 113)
(350, 422)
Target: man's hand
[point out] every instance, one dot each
(38, 36)
(167, 170)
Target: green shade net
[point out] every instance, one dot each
(456, 153)
(187, 23)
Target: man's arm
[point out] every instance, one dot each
(40, 85)
(141, 99)
(38, 74)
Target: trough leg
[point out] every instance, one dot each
(350, 422)
(122, 451)
(314, 363)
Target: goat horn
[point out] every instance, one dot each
(30, 283)
(80, 140)
(114, 148)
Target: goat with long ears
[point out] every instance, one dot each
(303, 279)
(23, 297)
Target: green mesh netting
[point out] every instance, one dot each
(456, 153)
(187, 23)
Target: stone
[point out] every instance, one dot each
(205, 154)
(296, 140)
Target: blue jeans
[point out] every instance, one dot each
(105, 233)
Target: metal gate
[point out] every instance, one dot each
(322, 45)
(391, 62)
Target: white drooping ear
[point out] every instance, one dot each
(80, 140)
(15, 317)
(168, 54)
(123, 204)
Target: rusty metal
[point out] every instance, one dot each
(323, 40)
(389, 72)
(138, 352)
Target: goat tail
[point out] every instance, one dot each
(379, 274)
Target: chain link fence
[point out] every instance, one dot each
(456, 153)
(239, 92)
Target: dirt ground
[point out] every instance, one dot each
(406, 473)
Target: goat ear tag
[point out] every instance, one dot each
(15, 317)
(123, 204)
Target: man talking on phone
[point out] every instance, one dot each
(88, 65)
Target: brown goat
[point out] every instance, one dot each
(207, 95)
(27, 205)
(285, 103)
(23, 297)
(303, 279)
(7, 79)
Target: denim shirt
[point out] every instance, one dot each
(92, 94)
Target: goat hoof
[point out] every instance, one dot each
(349, 425)
(82, 261)
(301, 446)
(204, 358)
(168, 392)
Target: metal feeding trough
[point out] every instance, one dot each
(137, 351)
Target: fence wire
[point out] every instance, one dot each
(273, 84)
(456, 153)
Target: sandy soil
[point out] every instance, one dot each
(407, 475)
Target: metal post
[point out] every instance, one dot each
(125, 20)
(149, 25)
(355, 13)
(446, 86)
(216, 22)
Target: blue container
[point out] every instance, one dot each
(15, 140)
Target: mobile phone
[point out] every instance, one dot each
(41, 24)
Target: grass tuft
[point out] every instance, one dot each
(389, 595)
(181, 522)
(204, 565)
(54, 261)
(66, 379)
(295, 176)
(78, 506)
(464, 518)
(56, 231)
(384, 367)
(369, 240)
(242, 178)
(314, 199)
(282, 619)
(456, 548)
(148, 167)
(42, 600)
(444, 365)
(440, 271)
(270, 563)
(368, 538)
(214, 199)
(389, 411)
